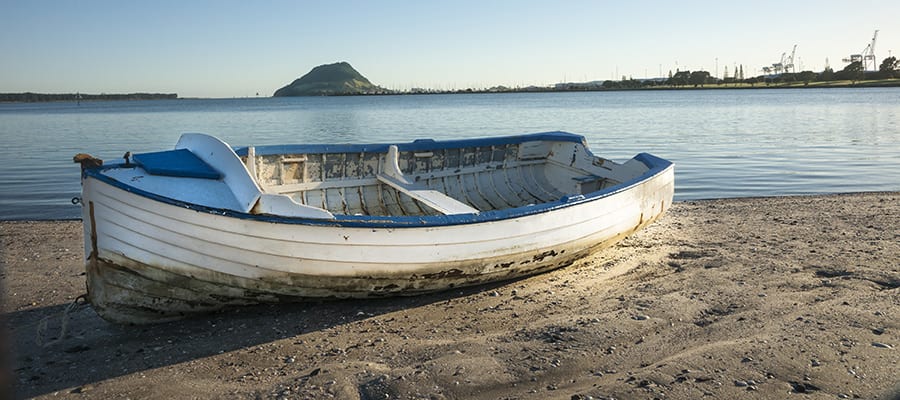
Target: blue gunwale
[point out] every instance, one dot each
(416, 145)
(655, 164)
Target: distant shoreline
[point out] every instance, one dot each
(29, 97)
(585, 87)
(895, 82)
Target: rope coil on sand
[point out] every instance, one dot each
(40, 336)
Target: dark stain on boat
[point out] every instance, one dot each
(540, 257)
(386, 288)
(450, 273)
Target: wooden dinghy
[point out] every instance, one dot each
(203, 226)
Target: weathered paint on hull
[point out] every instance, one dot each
(145, 266)
(130, 292)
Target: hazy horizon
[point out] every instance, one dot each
(217, 49)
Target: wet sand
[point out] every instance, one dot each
(788, 297)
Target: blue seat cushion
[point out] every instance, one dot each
(181, 163)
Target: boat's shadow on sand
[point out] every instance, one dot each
(93, 350)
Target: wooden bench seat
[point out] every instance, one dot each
(431, 198)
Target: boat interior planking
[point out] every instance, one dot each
(421, 178)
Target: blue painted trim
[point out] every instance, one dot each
(180, 163)
(657, 166)
(416, 145)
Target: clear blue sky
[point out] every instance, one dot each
(223, 48)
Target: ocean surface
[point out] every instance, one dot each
(725, 143)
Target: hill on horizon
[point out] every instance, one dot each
(329, 80)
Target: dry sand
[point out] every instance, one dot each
(793, 297)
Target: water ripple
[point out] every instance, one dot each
(725, 143)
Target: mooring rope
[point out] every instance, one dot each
(40, 336)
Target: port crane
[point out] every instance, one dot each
(867, 54)
(789, 62)
(784, 65)
(775, 68)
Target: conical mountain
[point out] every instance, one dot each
(329, 80)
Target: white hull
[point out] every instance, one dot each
(151, 261)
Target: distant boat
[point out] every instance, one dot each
(203, 226)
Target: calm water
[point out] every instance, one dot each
(725, 143)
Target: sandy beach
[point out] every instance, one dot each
(770, 298)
